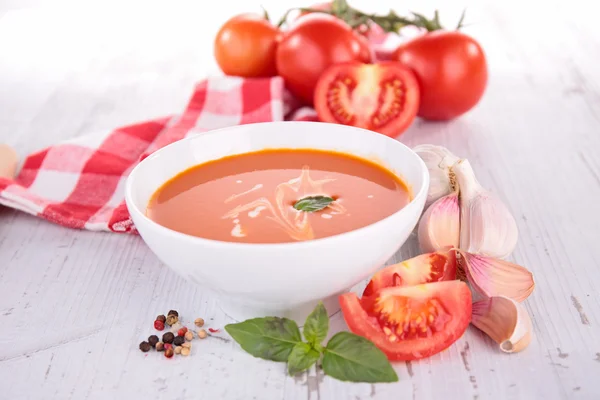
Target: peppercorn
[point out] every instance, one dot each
(173, 312)
(199, 322)
(153, 339)
(169, 353)
(168, 337)
(202, 334)
(168, 346)
(159, 325)
(161, 318)
(189, 335)
(178, 350)
(145, 346)
(172, 319)
(185, 351)
(160, 346)
(182, 331)
(178, 341)
(187, 345)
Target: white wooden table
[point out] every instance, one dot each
(74, 305)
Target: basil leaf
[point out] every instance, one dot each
(302, 357)
(316, 326)
(313, 203)
(349, 357)
(271, 338)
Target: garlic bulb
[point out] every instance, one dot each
(492, 277)
(439, 227)
(8, 162)
(438, 160)
(505, 321)
(486, 225)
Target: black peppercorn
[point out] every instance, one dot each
(178, 341)
(168, 337)
(153, 339)
(173, 312)
(161, 318)
(145, 346)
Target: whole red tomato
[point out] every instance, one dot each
(452, 71)
(313, 43)
(245, 46)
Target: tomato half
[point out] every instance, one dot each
(429, 267)
(413, 322)
(381, 97)
(246, 45)
(452, 71)
(313, 43)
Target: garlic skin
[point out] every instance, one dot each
(492, 277)
(487, 227)
(438, 160)
(439, 227)
(505, 321)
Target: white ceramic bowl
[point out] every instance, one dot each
(287, 279)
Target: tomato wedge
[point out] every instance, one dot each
(381, 97)
(413, 322)
(429, 267)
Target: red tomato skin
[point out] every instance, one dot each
(362, 323)
(313, 43)
(452, 71)
(246, 46)
(383, 71)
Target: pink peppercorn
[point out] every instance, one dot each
(159, 325)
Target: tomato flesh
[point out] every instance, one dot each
(413, 322)
(380, 97)
(429, 267)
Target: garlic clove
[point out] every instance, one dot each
(505, 321)
(439, 227)
(494, 277)
(8, 162)
(439, 161)
(486, 225)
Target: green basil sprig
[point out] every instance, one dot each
(346, 356)
(313, 203)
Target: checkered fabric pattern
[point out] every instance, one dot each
(80, 183)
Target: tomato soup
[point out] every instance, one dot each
(253, 197)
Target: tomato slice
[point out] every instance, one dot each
(429, 267)
(413, 322)
(381, 97)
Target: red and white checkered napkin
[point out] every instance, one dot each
(80, 183)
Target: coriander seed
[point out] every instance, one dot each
(172, 319)
(187, 345)
(185, 351)
(161, 318)
(169, 353)
(153, 340)
(189, 336)
(173, 312)
(202, 334)
(178, 349)
(160, 346)
(145, 346)
(178, 341)
(168, 337)
(199, 322)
